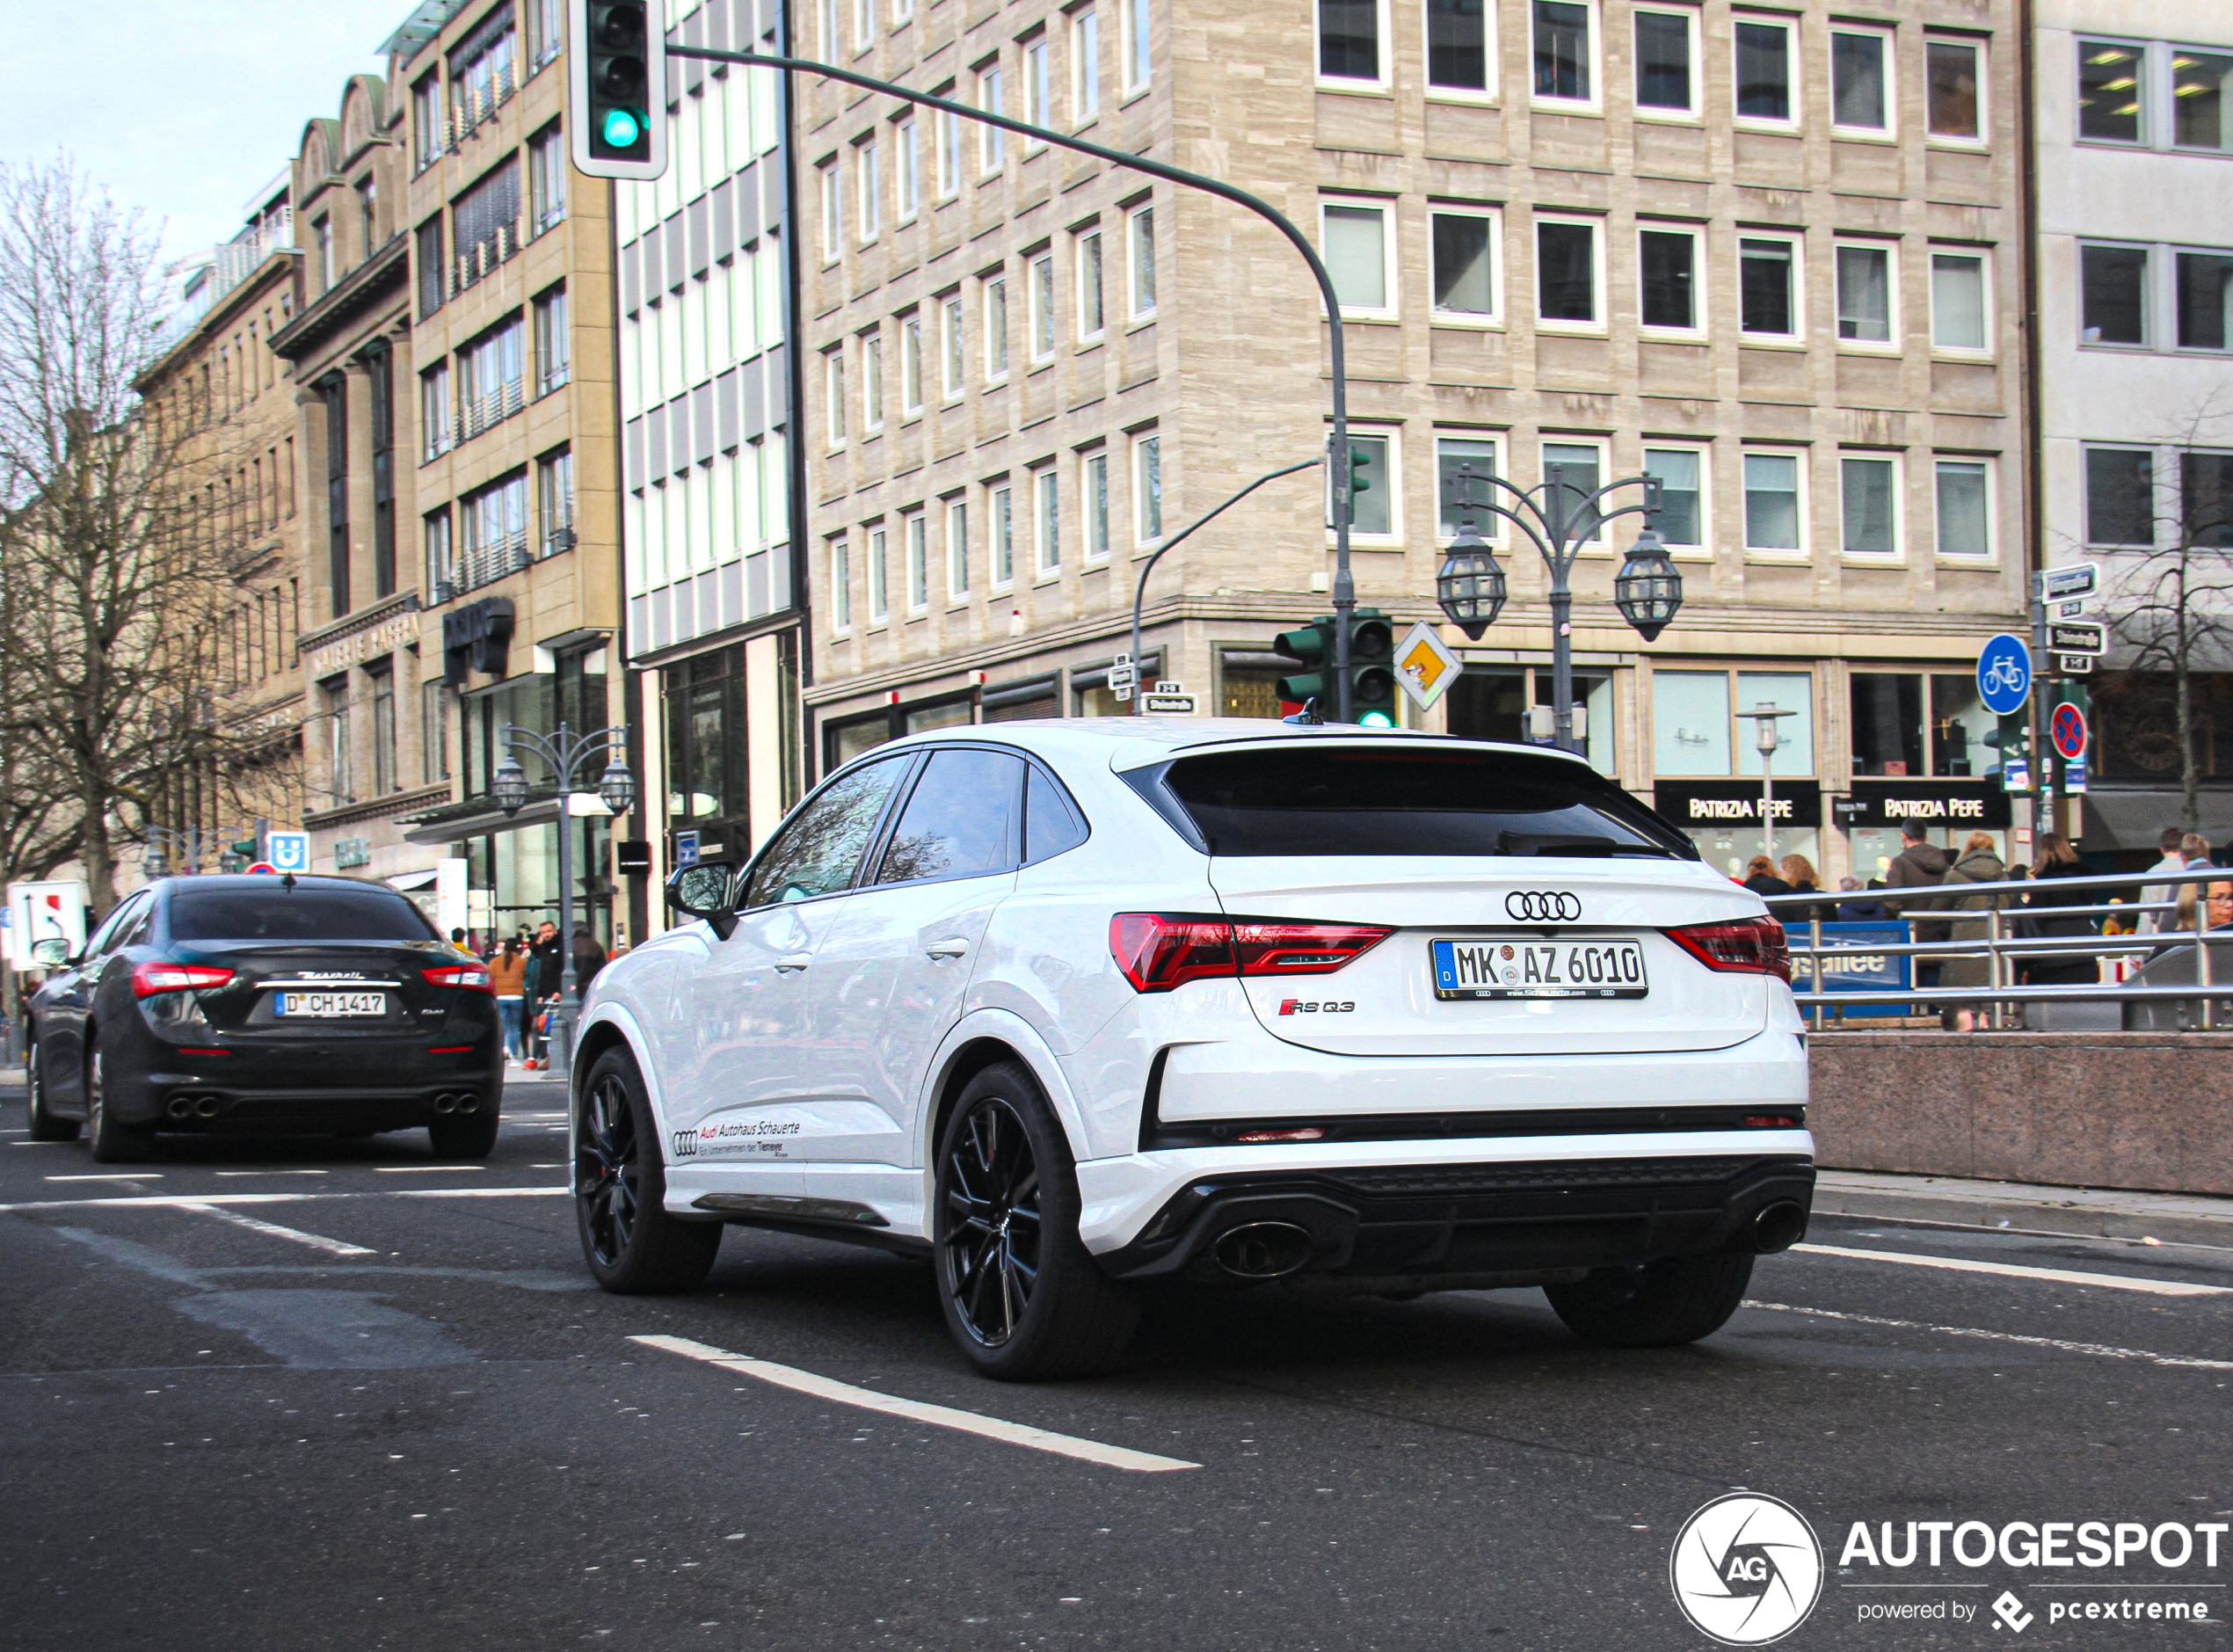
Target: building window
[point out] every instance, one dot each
(907, 153)
(1085, 65)
(2112, 84)
(1086, 257)
(1355, 239)
(1772, 518)
(871, 381)
(1148, 488)
(911, 365)
(1372, 513)
(1462, 467)
(441, 564)
(2205, 297)
(383, 729)
(1142, 241)
(2206, 498)
(380, 384)
(369, 214)
(840, 583)
(1458, 46)
(428, 138)
(868, 176)
(1861, 98)
(1665, 50)
(433, 732)
(1764, 84)
(992, 142)
(1348, 41)
(832, 196)
(2200, 83)
(1868, 505)
(915, 532)
(1043, 307)
(1001, 518)
(833, 393)
(2113, 294)
(1768, 286)
(554, 341)
(864, 25)
(484, 72)
(1680, 520)
(1953, 85)
(2121, 497)
(1580, 467)
(492, 374)
(485, 223)
(1135, 44)
(1667, 270)
(1038, 87)
(996, 327)
(1964, 502)
(555, 501)
(950, 148)
(1093, 482)
(1048, 488)
(1958, 302)
(879, 578)
(1563, 57)
(545, 180)
(335, 392)
(342, 786)
(436, 420)
(957, 549)
(1864, 294)
(494, 524)
(433, 269)
(1565, 274)
(546, 31)
(949, 311)
(321, 251)
(1465, 263)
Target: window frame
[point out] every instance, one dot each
(1935, 250)
(1036, 63)
(1137, 50)
(1891, 342)
(2144, 137)
(2172, 252)
(2150, 303)
(2171, 144)
(1776, 553)
(1136, 237)
(907, 173)
(1000, 534)
(1046, 522)
(1434, 90)
(1383, 206)
(867, 187)
(831, 192)
(1491, 526)
(1958, 559)
(877, 570)
(840, 577)
(1598, 326)
(914, 553)
(947, 135)
(953, 348)
(1700, 300)
(2085, 483)
(835, 431)
(1897, 557)
(1594, 102)
(871, 343)
(1148, 455)
(1703, 452)
(957, 521)
(1492, 318)
(1094, 260)
(911, 365)
(1981, 50)
(1795, 240)
(1794, 73)
(1597, 545)
(1392, 539)
(1888, 40)
(1084, 29)
(1094, 513)
(993, 312)
(991, 141)
(1694, 113)
(1378, 83)
(1041, 307)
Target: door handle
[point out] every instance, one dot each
(793, 961)
(953, 947)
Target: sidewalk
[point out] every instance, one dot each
(2184, 1219)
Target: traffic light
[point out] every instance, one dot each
(1372, 684)
(1313, 646)
(617, 87)
(1360, 462)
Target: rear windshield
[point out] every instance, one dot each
(1307, 799)
(296, 914)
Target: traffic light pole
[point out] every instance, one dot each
(1344, 585)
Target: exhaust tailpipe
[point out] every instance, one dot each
(1263, 1250)
(206, 1107)
(1779, 1227)
(179, 1107)
(468, 1103)
(446, 1102)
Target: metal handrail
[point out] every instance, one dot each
(2020, 885)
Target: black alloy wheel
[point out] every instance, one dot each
(990, 1252)
(46, 1125)
(113, 1141)
(634, 1246)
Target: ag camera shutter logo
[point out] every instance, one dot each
(1543, 905)
(1746, 1569)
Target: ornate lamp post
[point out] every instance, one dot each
(1764, 741)
(189, 845)
(565, 755)
(1558, 519)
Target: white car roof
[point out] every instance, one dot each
(1126, 743)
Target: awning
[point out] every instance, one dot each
(413, 880)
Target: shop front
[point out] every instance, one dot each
(1724, 818)
(1948, 811)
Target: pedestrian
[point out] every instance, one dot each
(544, 973)
(589, 957)
(508, 979)
(1919, 863)
(2058, 859)
(2169, 841)
(1862, 908)
(2198, 912)
(1799, 872)
(1980, 863)
(1760, 878)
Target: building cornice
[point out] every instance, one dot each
(394, 804)
(346, 300)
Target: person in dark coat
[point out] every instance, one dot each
(1864, 907)
(1919, 863)
(2058, 859)
(589, 957)
(1760, 878)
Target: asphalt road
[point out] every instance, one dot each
(380, 1406)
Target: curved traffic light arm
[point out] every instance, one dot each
(1345, 588)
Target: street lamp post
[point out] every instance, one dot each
(1764, 741)
(1558, 519)
(564, 752)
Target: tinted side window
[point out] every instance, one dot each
(960, 821)
(1050, 822)
(297, 914)
(817, 853)
(110, 935)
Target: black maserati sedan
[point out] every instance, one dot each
(264, 1005)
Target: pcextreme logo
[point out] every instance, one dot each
(1746, 1569)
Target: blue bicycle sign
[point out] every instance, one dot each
(2004, 674)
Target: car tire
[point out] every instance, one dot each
(112, 1140)
(633, 1245)
(46, 1125)
(1024, 1298)
(1659, 1305)
(464, 1135)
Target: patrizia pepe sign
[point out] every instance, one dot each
(1699, 804)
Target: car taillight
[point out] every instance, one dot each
(148, 979)
(1159, 951)
(469, 976)
(1744, 946)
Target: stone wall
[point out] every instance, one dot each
(2145, 1110)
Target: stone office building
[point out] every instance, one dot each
(1772, 256)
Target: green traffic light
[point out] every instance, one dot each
(1376, 720)
(623, 128)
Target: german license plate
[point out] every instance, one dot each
(1516, 968)
(330, 1005)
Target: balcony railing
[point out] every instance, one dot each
(473, 264)
(484, 412)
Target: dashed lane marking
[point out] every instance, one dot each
(177, 1201)
(122, 1175)
(807, 1382)
(2014, 1271)
(317, 1242)
(2104, 1350)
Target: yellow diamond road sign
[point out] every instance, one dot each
(1425, 666)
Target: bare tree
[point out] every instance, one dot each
(116, 569)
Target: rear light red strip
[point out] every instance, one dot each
(1742, 946)
(1159, 951)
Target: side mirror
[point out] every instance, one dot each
(51, 954)
(706, 890)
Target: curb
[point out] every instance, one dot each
(2082, 1212)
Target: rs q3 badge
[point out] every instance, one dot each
(1543, 905)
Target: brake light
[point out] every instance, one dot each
(148, 979)
(469, 978)
(1159, 951)
(1744, 946)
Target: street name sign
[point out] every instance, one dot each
(2079, 579)
(2077, 637)
(1160, 704)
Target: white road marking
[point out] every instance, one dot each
(2053, 1276)
(121, 1175)
(416, 1169)
(175, 1201)
(317, 1242)
(2104, 1349)
(238, 1173)
(917, 1411)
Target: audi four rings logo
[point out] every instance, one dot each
(1543, 905)
(685, 1144)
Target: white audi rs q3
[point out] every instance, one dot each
(1076, 1009)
